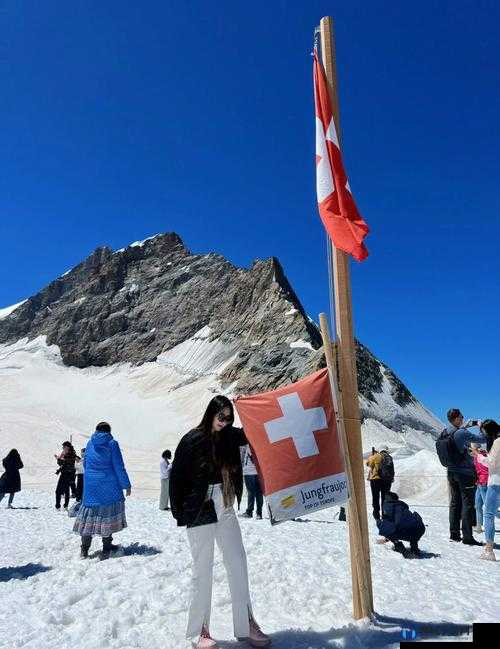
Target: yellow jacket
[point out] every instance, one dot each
(373, 463)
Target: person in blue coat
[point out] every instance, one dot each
(102, 511)
(400, 524)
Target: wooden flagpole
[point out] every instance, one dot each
(348, 388)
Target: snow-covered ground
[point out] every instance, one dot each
(299, 576)
(299, 570)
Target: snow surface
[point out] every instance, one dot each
(302, 344)
(9, 309)
(299, 579)
(139, 244)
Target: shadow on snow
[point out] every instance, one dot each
(22, 572)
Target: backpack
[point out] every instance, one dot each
(386, 469)
(447, 450)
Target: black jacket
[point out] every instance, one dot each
(399, 522)
(67, 466)
(193, 471)
(10, 482)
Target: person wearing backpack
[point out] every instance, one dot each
(452, 447)
(380, 476)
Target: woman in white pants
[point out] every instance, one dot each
(205, 480)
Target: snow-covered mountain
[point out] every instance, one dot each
(144, 336)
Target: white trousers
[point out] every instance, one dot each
(164, 493)
(227, 533)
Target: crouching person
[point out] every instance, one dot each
(400, 524)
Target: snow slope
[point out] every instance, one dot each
(299, 577)
(43, 402)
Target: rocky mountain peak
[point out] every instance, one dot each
(141, 303)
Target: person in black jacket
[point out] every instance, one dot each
(66, 471)
(10, 481)
(206, 479)
(400, 524)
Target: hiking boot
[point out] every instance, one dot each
(84, 553)
(259, 517)
(205, 641)
(256, 638)
(472, 542)
(488, 554)
(399, 547)
(457, 539)
(415, 552)
(246, 515)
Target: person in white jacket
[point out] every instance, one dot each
(492, 430)
(165, 469)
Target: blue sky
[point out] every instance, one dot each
(122, 119)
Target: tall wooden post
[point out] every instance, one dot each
(348, 397)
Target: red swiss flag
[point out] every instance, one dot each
(293, 433)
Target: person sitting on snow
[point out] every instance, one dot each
(400, 524)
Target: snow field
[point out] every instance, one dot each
(299, 579)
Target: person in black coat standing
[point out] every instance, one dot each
(205, 480)
(10, 481)
(66, 472)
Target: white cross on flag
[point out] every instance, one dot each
(293, 435)
(345, 226)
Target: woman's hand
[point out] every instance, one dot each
(129, 491)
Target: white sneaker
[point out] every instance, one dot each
(478, 529)
(488, 554)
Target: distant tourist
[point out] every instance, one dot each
(400, 524)
(102, 512)
(79, 475)
(10, 481)
(452, 447)
(491, 430)
(482, 475)
(380, 476)
(206, 479)
(165, 469)
(66, 471)
(252, 483)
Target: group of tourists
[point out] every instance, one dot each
(473, 475)
(473, 478)
(206, 477)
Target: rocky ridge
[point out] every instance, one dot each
(138, 304)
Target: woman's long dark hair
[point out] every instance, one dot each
(221, 457)
(492, 431)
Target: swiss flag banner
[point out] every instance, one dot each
(337, 208)
(293, 435)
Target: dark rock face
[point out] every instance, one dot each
(134, 304)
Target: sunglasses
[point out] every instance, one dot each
(223, 418)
